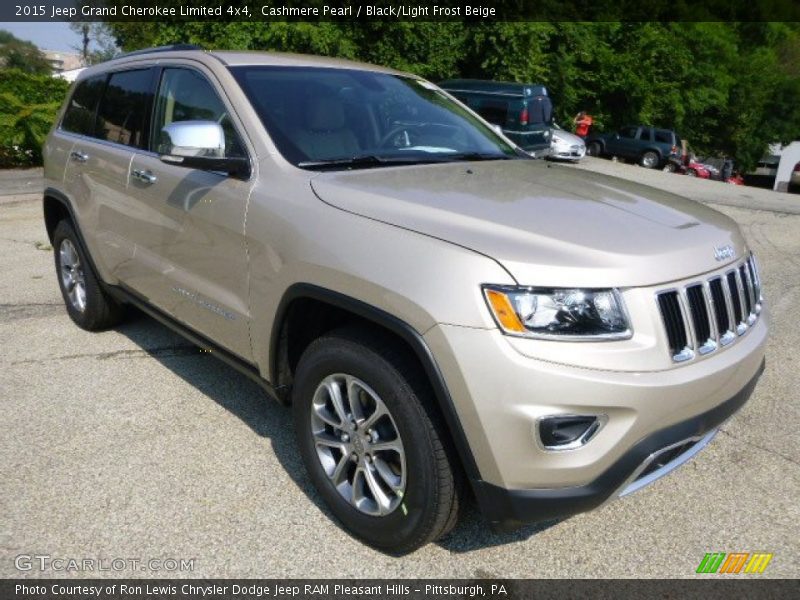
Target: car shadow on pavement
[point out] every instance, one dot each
(268, 419)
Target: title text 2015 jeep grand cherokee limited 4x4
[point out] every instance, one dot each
(444, 314)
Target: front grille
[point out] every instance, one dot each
(707, 315)
(673, 321)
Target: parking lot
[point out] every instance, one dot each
(133, 444)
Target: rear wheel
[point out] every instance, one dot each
(370, 441)
(87, 304)
(649, 160)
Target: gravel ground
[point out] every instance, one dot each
(132, 443)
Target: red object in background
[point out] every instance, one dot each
(583, 125)
(735, 180)
(696, 169)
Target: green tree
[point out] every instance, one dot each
(97, 42)
(28, 107)
(727, 88)
(24, 56)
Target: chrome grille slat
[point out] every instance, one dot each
(702, 316)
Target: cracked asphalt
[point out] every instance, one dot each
(133, 443)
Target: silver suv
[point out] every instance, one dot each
(446, 317)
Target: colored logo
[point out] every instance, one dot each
(734, 562)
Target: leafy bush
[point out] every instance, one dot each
(28, 107)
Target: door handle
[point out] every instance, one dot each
(144, 176)
(79, 156)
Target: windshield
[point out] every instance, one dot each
(341, 118)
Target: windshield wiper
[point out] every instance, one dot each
(366, 160)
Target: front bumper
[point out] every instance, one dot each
(500, 394)
(508, 509)
(572, 152)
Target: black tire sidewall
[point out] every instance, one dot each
(89, 317)
(336, 355)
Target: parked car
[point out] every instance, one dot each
(651, 147)
(794, 179)
(565, 145)
(523, 111)
(767, 167)
(685, 165)
(765, 172)
(438, 309)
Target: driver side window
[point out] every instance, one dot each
(185, 95)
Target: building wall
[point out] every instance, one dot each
(790, 156)
(63, 61)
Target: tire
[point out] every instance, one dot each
(87, 304)
(423, 503)
(594, 149)
(670, 167)
(649, 159)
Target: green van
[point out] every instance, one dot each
(523, 111)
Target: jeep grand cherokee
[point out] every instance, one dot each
(444, 315)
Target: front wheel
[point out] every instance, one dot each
(594, 149)
(369, 439)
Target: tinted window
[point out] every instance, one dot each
(628, 132)
(123, 109)
(79, 116)
(185, 95)
(665, 137)
(494, 111)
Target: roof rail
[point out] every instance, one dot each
(160, 49)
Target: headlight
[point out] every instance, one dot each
(561, 313)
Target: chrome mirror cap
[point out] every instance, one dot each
(193, 138)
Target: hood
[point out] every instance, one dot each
(567, 137)
(548, 225)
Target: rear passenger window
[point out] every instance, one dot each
(185, 95)
(123, 109)
(80, 113)
(494, 111)
(664, 137)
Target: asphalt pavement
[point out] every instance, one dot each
(133, 444)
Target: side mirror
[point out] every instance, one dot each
(199, 145)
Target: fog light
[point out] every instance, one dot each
(567, 432)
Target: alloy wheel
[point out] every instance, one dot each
(358, 444)
(72, 276)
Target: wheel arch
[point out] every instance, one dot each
(330, 309)
(56, 207)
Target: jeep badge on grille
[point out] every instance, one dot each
(724, 252)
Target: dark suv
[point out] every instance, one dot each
(649, 146)
(523, 111)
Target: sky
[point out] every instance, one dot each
(48, 36)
